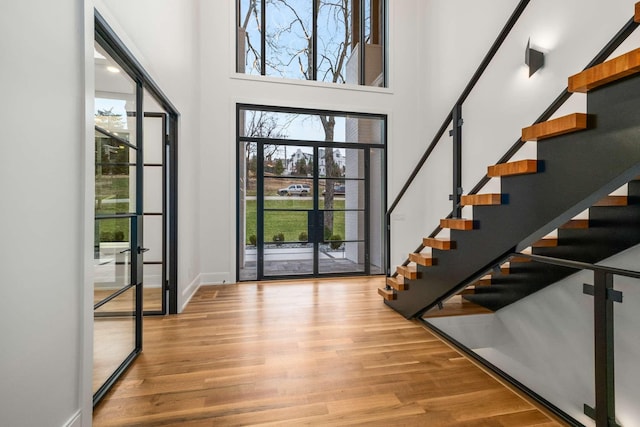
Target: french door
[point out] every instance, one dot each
(309, 208)
(135, 249)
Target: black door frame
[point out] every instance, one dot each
(315, 213)
(366, 147)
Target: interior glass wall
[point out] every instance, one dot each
(311, 193)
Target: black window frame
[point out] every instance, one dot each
(361, 10)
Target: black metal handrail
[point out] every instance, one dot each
(578, 265)
(604, 53)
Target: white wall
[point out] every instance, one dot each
(163, 35)
(44, 326)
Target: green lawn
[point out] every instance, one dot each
(290, 223)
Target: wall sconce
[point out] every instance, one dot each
(533, 58)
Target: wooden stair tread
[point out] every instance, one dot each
(408, 271)
(397, 283)
(607, 72)
(441, 244)
(516, 259)
(481, 199)
(424, 260)
(546, 243)
(560, 126)
(467, 291)
(613, 201)
(575, 224)
(483, 281)
(636, 16)
(387, 294)
(520, 167)
(457, 223)
(505, 268)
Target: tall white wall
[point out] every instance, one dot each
(163, 35)
(45, 327)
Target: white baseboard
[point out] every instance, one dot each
(214, 278)
(201, 279)
(75, 420)
(188, 292)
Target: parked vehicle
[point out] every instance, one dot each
(338, 190)
(295, 190)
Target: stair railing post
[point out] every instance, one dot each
(387, 220)
(456, 133)
(604, 412)
(604, 353)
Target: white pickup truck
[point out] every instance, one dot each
(295, 190)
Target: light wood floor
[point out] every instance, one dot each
(304, 353)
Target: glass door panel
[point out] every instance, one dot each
(114, 326)
(287, 205)
(343, 247)
(287, 250)
(154, 230)
(117, 237)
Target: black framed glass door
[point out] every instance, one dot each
(135, 250)
(306, 206)
(118, 248)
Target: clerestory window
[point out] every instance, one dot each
(318, 40)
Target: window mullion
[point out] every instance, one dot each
(263, 37)
(314, 42)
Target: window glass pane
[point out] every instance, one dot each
(288, 193)
(249, 55)
(303, 125)
(289, 36)
(334, 41)
(289, 39)
(377, 231)
(247, 226)
(374, 52)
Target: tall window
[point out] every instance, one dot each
(319, 40)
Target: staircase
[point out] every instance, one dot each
(582, 158)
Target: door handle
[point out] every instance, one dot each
(141, 250)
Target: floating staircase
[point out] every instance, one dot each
(582, 158)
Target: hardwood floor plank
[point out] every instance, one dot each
(321, 352)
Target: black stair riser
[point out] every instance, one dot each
(578, 169)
